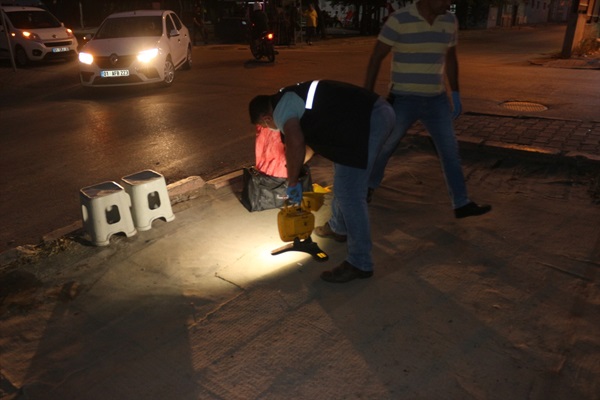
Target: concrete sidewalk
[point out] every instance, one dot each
(528, 136)
(496, 307)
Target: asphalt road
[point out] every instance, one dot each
(57, 137)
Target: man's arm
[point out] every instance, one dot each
(295, 149)
(452, 76)
(380, 51)
(452, 68)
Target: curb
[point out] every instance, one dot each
(530, 152)
(186, 189)
(194, 186)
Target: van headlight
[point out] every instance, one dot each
(86, 58)
(147, 55)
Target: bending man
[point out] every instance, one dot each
(347, 125)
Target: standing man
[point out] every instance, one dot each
(311, 23)
(199, 26)
(347, 125)
(422, 37)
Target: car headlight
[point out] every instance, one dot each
(86, 58)
(30, 35)
(147, 55)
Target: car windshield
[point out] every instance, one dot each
(33, 19)
(130, 27)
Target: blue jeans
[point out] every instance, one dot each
(349, 212)
(435, 114)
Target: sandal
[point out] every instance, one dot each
(345, 272)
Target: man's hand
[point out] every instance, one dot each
(295, 193)
(456, 105)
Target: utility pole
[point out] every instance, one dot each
(4, 21)
(572, 19)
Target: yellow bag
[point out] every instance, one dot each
(312, 201)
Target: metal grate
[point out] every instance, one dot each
(523, 106)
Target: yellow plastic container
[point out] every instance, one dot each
(295, 222)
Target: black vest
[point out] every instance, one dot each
(338, 124)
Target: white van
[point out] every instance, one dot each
(35, 35)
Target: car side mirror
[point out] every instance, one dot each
(88, 37)
(173, 33)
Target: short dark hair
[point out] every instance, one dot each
(259, 106)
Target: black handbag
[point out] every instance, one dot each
(264, 192)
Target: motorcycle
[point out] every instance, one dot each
(262, 46)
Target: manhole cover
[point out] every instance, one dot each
(523, 106)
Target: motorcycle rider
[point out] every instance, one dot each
(260, 23)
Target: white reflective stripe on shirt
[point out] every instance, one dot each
(311, 95)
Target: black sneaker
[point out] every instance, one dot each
(472, 210)
(345, 272)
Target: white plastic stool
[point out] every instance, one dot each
(105, 209)
(149, 198)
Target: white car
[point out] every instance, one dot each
(35, 35)
(134, 48)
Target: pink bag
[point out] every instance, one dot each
(270, 152)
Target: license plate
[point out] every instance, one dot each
(59, 49)
(115, 72)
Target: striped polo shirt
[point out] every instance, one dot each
(418, 50)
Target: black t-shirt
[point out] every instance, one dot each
(259, 20)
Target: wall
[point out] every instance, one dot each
(537, 11)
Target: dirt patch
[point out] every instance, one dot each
(18, 290)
